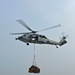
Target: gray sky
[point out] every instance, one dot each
(16, 57)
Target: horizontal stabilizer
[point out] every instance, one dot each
(63, 42)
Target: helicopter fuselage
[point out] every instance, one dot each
(36, 38)
(32, 37)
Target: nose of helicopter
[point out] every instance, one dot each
(19, 38)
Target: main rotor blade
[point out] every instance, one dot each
(50, 28)
(19, 33)
(24, 24)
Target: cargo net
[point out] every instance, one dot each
(34, 68)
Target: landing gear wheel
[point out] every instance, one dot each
(16, 38)
(27, 43)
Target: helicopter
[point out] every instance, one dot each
(33, 37)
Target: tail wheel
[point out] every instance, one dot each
(56, 46)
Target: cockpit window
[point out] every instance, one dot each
(42, 36)
(24, 35)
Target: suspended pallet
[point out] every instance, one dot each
(34, 68)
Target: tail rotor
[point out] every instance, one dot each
(64, 36)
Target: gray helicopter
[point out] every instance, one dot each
(33, 37)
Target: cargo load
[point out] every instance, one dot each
(34, 68)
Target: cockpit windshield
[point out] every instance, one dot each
(42, 36)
